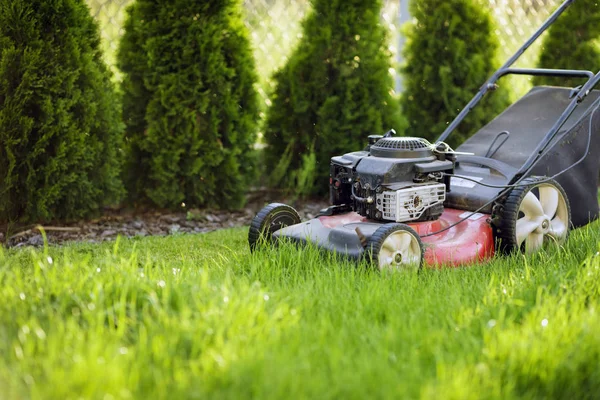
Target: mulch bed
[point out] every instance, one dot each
(128, 223)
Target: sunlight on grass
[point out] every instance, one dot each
(192, 316)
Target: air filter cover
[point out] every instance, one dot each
(401, 147)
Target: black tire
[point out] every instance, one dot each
(270, 219)
(510, 211)
(375, 248)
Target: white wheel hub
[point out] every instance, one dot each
(400, 250)
(545, 217)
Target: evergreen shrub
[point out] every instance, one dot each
(190, 106)
(334, 91)
(572, 43)
(60, 121)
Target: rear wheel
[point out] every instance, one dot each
(395, 246)
(533, 214)
(270, 219)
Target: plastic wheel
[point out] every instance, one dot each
(533, 214)
(270, 219)
(395, 246)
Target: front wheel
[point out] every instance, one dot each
(270, 219)
(395, 246)
(534, 213)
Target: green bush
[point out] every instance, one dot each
(572, 43)
(189, 104)
(334, 91)
(60, 122)
(450, 53)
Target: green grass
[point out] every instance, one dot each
(196, 316)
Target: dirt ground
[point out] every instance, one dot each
(128, 223)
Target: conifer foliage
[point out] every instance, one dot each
(334, 91)
(450, 53)
(190, 105)
(572, 43)
(60, 122)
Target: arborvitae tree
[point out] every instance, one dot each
(334, 91)
(572, 43)
(450, 53)
(189, 105)
(60, 121)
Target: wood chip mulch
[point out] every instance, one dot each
(127, 223)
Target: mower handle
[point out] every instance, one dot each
(576, 99)
(491, 83)
(568, 73)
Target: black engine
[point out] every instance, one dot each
(394, 179)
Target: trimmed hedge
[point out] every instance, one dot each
(190, 106)
(450, 53)
(60, 122)
(334, 91)
(572, 43)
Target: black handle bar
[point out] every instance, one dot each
(491, 83)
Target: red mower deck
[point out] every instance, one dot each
(469, 242)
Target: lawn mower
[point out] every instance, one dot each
(521, 182)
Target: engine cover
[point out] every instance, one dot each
(394, 179)
(401, 147)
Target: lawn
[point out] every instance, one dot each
(197, 316)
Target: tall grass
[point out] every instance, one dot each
(193, 316)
